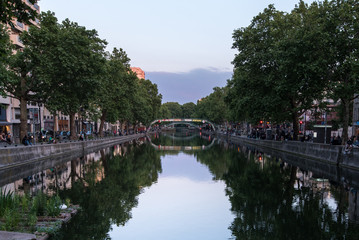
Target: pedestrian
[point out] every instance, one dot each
(8, 138)
(25, 141)
(348, 147)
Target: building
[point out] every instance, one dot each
(139, 72)
(356, 116)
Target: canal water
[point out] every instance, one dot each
(188, 186)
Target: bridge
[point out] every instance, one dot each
(188, 121)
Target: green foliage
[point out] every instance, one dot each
(53, 206)
(7, 201)
(174, 109)
(5, 52)
(31, 220)
(25, 203)
(39, 204)
(17, 9)
(213, 107)
(12, 219)
(164, 112)
(188, 110)
(52, 229)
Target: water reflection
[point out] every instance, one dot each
(274, 200)
(133, 191)
(109, 191)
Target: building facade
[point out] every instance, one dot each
(356, 116)
(139, 72)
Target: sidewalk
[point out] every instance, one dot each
(16, 236)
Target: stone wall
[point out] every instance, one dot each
(15, 156)
(330, 154)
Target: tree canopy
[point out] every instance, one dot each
(17, 9)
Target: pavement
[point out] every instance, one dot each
(16, 236)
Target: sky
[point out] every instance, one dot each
(184, 46)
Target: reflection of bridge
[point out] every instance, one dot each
(182, 148)
(180, 138)
(188, 121)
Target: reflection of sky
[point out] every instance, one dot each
(184, 204)
(183, 165)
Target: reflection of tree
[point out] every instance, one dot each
(110, 200)
(267, 206)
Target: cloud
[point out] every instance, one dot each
(189, 86)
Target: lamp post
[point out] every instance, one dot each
(40, 105)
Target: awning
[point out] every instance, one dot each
(5, 123)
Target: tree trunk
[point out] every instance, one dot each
(346, 108)
(55, 123)
(23, 117)
(72, 127)
(295, 121)
(103, 118)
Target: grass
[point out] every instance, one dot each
(20, 213)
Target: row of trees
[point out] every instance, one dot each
(288, 63)
(212, 108)
(65, 67)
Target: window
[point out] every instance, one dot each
(19, 39)
(17, 113)
(20, 24)
(2, 113)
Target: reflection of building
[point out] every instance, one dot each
(59, 177)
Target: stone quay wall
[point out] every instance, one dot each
(331, 154)
(20, 155)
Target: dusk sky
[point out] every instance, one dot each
(183, 46)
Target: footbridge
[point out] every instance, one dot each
(188, 121)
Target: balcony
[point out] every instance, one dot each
(37, 7)
(20, 24)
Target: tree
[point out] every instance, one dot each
(341, 25)
(213, 107)
(280, 66)
(164, 112)
(16, 9)
(60, 65)
(68, 60)
(174, 109)
(5, 52)
(111, 90)
(188, 110)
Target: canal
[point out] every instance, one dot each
(189, 186)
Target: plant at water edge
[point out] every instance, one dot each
(12, 219)
(68, 202)
(31, 221)
(52, 229)
(39, 204)
(53, 206)
(25, 202)
(6, 201)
